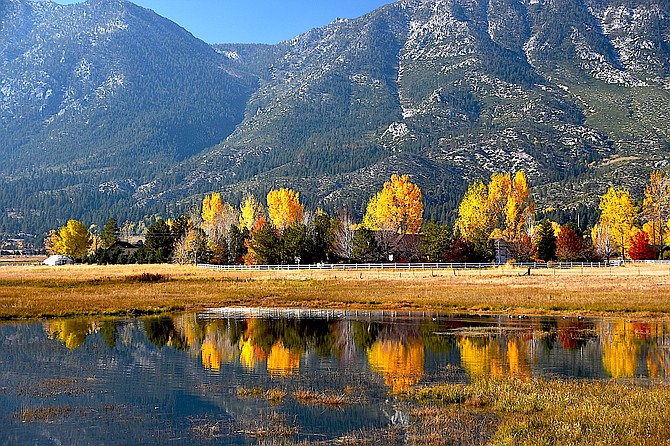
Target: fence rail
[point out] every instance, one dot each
(407, 266)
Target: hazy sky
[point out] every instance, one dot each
(254, 21)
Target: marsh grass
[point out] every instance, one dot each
(557, 412)
(322, 398)
(275, 396)
(53, 387)
(208, 429)
(36, 291)
(43, 414)
(270, 425)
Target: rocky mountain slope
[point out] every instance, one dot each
(576, 92)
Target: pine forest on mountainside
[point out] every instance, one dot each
(107, 109)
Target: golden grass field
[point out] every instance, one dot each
(39, 291)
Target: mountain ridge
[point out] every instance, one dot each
(571, 91)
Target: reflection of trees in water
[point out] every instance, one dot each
(282, 360)
(71, 332)
(279, 343)
(573, 333)
(345, 346)
(625, 344)
(394, 350)
(401, 363)
(161, 331)
(495, 356)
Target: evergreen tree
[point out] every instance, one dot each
(365, 247)
(265, 245)
(435, 241)
(546, 241)
(110, 233)
(294, 244)
(158, 245)
(238, 248)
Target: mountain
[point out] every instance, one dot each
(96, 100)
(575, 92)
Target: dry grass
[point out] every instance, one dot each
(322, 398)
(270, 425)
(36, 291)
(43, 414)
(555, 412)
(275, 396)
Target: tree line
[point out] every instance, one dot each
(497, 221)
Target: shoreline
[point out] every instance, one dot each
(37, 292)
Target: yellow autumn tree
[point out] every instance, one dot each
(251, 210)
(474, 221)
(218, 217)
(211, 207)
(498, 193)
(618, 214)
(656, 206)
(398, 207)
(510, 206)
(284, 207)
(71, 240)
(519, 208)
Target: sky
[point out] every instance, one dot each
(254, 21)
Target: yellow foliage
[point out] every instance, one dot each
(401, 364)
(474, 219)
(71, 240)
(481, 359)
(282, 361)
(519, 207)
(284, 208)
(211, 207)
(620, 351)
(398, 207)
(656, 205)
(250, 212)
(72, 333)
(504, 204)
(618, 214)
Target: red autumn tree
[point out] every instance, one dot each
(569, 243)
(640, 249)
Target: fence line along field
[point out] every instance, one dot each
(36, 291)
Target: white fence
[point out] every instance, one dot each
(407, 266)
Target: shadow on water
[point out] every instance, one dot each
(248, 376)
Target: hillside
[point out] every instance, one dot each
(108, 108)
(97, 99)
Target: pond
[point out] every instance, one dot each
(243, 376)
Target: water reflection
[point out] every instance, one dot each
(164, 375)
(396, 348)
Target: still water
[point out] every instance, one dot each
(241, 376)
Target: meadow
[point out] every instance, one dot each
(38, 291)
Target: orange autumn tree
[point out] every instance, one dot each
(284, 208)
